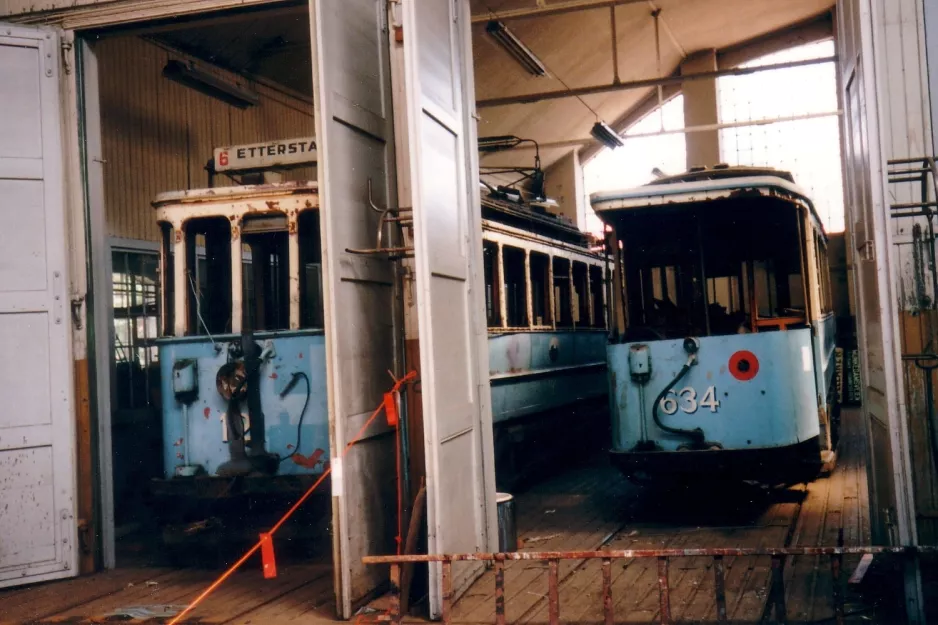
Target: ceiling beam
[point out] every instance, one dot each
(746, 123)
(811, 30)
(553, 8)
(200, 20)
(644, 83)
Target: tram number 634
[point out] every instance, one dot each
(686, 400)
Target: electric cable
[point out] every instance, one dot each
(696, 434)
(299, 426)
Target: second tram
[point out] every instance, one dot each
(722, 358)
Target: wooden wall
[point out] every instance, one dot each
(901, 457)
(158, 135)
(906, 134)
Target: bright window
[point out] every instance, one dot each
(136, 296)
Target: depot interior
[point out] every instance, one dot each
(159, 132)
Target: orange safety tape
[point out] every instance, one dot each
(412, 375)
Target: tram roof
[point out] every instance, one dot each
(530, 216)
(699, 186)
(236, 193)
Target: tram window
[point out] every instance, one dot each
(516, 304)
(493, 313)
(581, 300)
(824, 276)
(563, 308)
(266, 294)
(779, 292)
(168, 269)
(208, 272)
(136, 293)
(310, 242)
(540, 289)
(597, 288)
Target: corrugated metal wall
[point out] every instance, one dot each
(158, 135)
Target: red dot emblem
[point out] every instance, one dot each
(744, 365)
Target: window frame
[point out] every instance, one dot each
(128, 247)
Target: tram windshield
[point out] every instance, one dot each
(714, 268)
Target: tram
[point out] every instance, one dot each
(242, 347)
(241, 353)
(721, 363)
(545, 294)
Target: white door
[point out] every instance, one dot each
(354, 130)
(37, 440)
(448, 257)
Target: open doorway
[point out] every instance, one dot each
(226, 407)
(169, 96)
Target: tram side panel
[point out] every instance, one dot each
(533, 372)
(751, 395)
(195, 427)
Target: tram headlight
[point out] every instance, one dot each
(231, 380)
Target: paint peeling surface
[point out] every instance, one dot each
(775, 407)
(531, 372)
(295, 351)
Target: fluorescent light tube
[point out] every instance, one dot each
(513, 46)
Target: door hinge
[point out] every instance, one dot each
(67, 57)
(76, 311)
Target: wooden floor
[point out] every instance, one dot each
(593, 508)
(589, 507)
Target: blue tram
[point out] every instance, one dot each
(546, 310)
(243, 352)
(721, 363)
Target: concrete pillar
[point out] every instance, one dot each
(701, 108)
(564, 184)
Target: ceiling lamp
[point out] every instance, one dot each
(513, 46)
(603, 133)
(209, 84)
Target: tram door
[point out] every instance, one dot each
(37, 434)
(450, 305)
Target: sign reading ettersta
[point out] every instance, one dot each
(266, 155)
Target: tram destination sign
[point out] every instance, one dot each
(287, 152)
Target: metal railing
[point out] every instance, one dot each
(776, 597)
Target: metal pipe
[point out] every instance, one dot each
(646, 82)
(719, 583)
(703, 552)
(655, 14)
(777, 597)
(615, 45)
(664, 592)
(500, 592)
(555, 8)
(608, 612)
(553, 592)
(447, 583)
(567, 143)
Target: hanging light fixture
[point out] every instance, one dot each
(211, 85)
(603, 133)
(514, 47)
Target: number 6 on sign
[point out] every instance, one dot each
(688, 400)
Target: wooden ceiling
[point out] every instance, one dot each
(576, 47)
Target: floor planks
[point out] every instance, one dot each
(584, 508)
